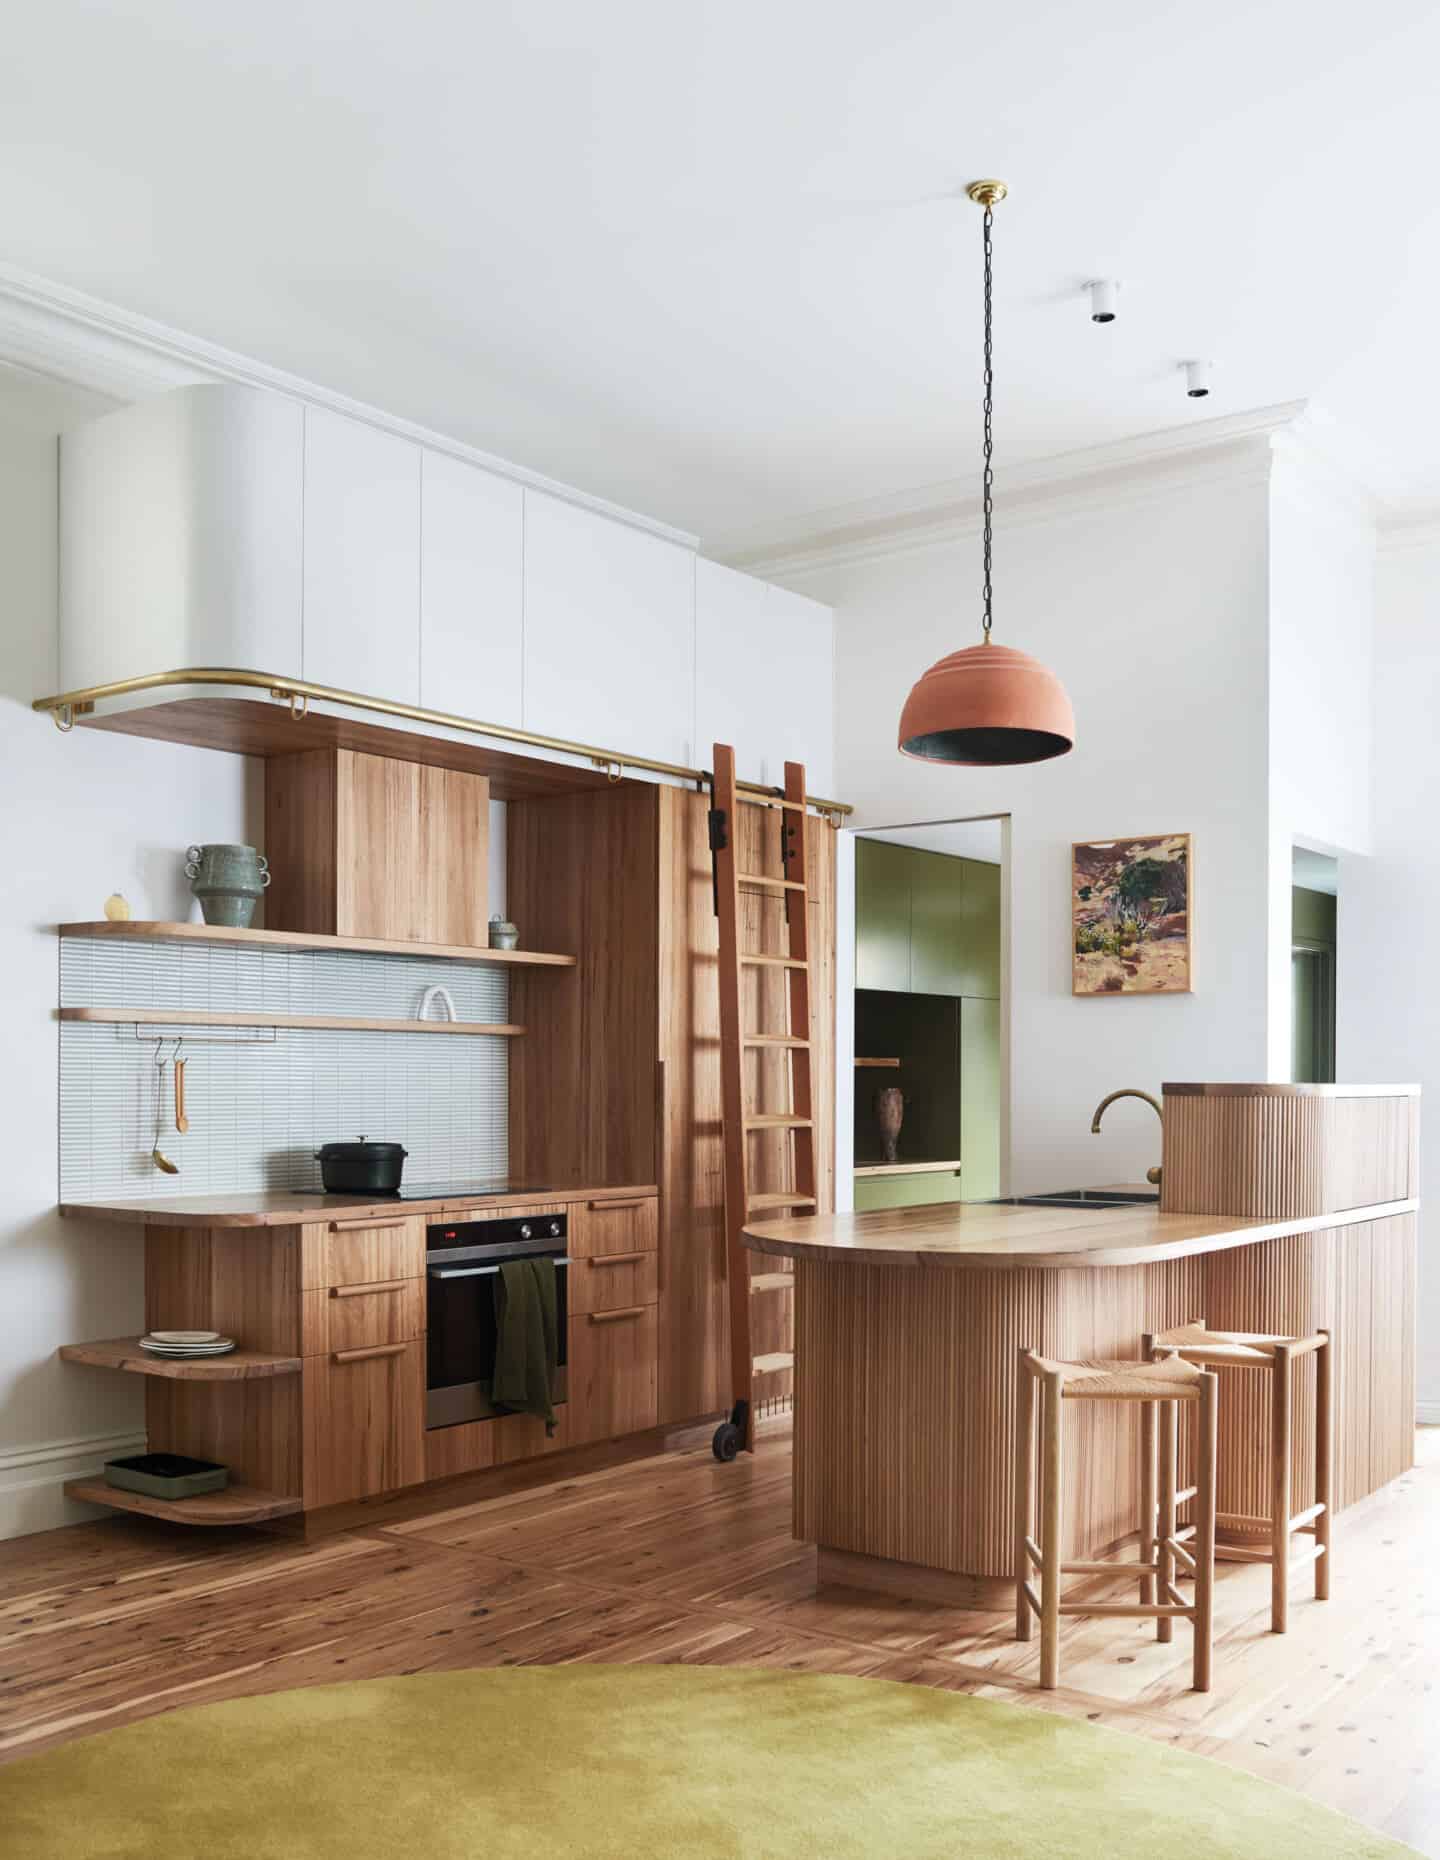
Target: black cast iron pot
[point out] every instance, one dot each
(361, 1168)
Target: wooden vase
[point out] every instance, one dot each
(889, 1115)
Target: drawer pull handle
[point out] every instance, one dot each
(603, 1207)
(364, 1356)
(617, 1259)
(614, 1317)
(374, 1224)
(364, 1291)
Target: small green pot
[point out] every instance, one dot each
(228, 881)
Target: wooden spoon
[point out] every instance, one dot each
(182, 1122)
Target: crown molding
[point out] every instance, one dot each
(68, 335)
(1235, 447)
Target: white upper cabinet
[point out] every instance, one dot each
(609, 632)
(764, 677)
(362, 558)
(180, 537)
(472, 591)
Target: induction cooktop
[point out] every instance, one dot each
(464, 1189)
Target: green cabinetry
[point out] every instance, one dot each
(980, 1097)
(908, 1191)
(882, 916)
(926, 923)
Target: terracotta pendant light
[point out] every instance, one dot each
(987, 706)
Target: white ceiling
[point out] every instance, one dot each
(709, 258)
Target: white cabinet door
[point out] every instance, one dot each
(764, 677)
(472, 595)
(362, 558)
(609, 632)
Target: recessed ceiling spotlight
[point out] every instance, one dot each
(1197, 379)
(1103, 295)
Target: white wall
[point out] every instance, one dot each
(1388, 980)
(1153, 614)
(81, 817)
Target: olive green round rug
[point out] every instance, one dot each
(643, 1762)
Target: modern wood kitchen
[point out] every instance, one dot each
(718, 1140)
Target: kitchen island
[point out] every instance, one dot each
(909, 1322)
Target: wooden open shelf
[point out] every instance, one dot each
(908, 1168)
(345, 1023)
(237, 1504)
(890, 1063)
(136, 932)
(125, 1353)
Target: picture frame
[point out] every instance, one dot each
(1132, 915)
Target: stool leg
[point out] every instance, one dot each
(1050, 1535)
(1324, 1463)
(1147, 1499)
(1024, 1491)
(1167, 1421)
(1280, 1491)
(1207, 1428)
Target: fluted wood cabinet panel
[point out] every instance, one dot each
(906, 1388)
(1271, 1152)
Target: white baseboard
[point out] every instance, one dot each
(32, 1478)
(1427, 1413)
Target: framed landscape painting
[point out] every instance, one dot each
(1130, 905)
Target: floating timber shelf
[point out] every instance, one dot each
(909, 1168)
(134, 932)
(892, 1064)
(125, 1353)
(345, 1023)
(237, 1504)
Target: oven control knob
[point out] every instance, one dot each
(526, 1231)
(554, 1230)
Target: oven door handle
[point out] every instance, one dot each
(475, 1272)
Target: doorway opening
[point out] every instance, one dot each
(1314, 887)
(928, 1117)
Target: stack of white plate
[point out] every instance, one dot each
(186, 1343)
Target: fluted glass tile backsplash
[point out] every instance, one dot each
(260, 1103)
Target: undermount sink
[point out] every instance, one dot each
(1097, 1199)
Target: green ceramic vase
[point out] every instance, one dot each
(228, 881)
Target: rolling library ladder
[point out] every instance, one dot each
(744, 1121)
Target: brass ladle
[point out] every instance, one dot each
(160, 1160)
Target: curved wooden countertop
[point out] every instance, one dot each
(296, 1208)
(986, 1235)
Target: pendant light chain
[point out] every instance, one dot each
(988, 476)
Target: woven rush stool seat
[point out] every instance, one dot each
(1159, 1386)
(1201, 1347)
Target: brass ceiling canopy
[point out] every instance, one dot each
(987, 705)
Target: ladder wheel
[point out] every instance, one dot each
(726, 1443)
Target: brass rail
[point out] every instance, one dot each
(66, 706)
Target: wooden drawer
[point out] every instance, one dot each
(348, 1317)
(612, 1281)
(612, 1380)
(469, 1446)
(364, 1422)
(363, 1252)
(613, 1227)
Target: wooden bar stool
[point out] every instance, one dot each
(1160, 1388)
(1233, 1349)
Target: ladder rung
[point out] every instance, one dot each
(775, 962)
(773, 1363)
(777, 1120)
(758, 1203)
(775, 1039)
(762, 883)
(773, 1282)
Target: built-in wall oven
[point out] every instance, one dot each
(462, 1262)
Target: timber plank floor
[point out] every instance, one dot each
(672, 1557)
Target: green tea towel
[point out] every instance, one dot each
(527, 1338)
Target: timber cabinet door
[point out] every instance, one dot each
(612, 1379)
(364, 1422)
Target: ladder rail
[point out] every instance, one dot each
(732, 1081)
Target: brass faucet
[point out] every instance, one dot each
(1151, 1175)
